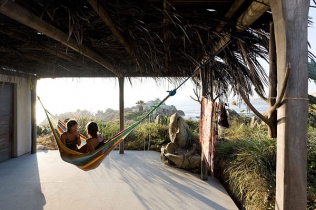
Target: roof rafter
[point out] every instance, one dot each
(22, 15)
(254, 11)
(22, 54)
(166, 7)
(230, 13)
(108, 21)
(42, 48)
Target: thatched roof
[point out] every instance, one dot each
(143, 38)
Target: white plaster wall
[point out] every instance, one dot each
(23, 113)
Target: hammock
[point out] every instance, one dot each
(89, 161)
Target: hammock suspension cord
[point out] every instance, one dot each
(92, 160)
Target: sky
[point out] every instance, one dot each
(93, 94)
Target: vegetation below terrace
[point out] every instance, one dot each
(245, 158)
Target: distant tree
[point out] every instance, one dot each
(140, 105)
(99, 115)
(39, 130)
(312, 70)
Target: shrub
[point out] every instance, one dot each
(311, 168)
(194, 125)
(147, 134)
(43, 130)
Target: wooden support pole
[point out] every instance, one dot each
(290, 25)
(121, 87)
(33, 116)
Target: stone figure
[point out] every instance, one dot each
(178, 152)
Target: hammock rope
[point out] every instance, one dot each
(89, 161)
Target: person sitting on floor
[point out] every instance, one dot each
(71, 137)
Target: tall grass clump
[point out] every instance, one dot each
(248, 166)
(245, 160)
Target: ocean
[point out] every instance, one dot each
(192, 108)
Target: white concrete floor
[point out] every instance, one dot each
(134, 180)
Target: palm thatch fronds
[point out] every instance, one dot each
(134, 39)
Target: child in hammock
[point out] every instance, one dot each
(71, 137)
(95, 139)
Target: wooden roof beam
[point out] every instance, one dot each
(108, 21)
(235, 6)
(166, 42)
(21, 54)
(22, 15)
(7, 69)
(254, 11)
(45, 48)
(62, 55)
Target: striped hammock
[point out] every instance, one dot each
(89, 161)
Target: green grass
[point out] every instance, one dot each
(245, 162)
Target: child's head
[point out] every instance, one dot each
(92, 129)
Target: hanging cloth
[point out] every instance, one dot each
(223, 118)
(208, 131)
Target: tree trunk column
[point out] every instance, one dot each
(290, 20)
(273, 83)
(121, 87)
(203, 75)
